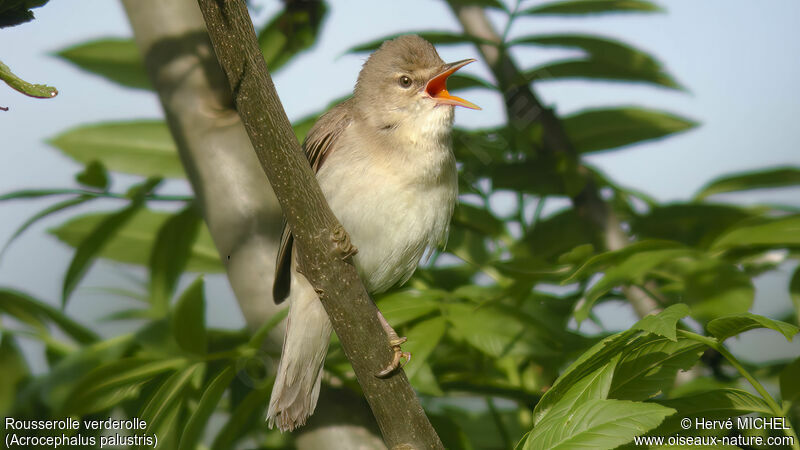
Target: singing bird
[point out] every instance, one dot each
(384, 161)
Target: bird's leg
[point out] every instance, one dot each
(395, 342)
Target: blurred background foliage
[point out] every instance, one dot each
(493, 321)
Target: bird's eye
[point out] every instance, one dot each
(404, 82)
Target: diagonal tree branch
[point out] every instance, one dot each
(323, 243)
(524, 109)
(238, 205)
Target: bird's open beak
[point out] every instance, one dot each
(437, 86)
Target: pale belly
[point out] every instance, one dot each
(391, 217)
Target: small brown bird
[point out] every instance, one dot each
(384, 161)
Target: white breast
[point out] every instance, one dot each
(394, 200)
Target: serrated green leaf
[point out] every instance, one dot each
(141, 147)
(630, 270)
(95, 240)
(189, 319)
(293, 30)
(745, 181)
(52, 209)
(586, 7)
(38, 313)
(23, 87)
(591, 360)
(790, 381)
(734, 324)
(604, 129)
(117, 60)
(598, 424)
(133, 242)
(779, 232)
(649, 366)
(665, 322)
(170, 254)
(594, 386)
(711, 405)
(208, 403)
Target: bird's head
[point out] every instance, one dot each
(405, 81)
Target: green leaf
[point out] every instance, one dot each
(594, 69)
(746, 181)
(208, 403)
(16, 12)
(15, 370)
(189, 319)
(648, 367)
(142, 147)
(613, 258)
(134, 241)
(404, 306)
(118, 60)
(780, 232)
(116, 374)
(52, 209)
(241, 416)
(88, 249)
(605, 58)
(164, 401)
(794, 292)
(170, 254)
(664, 323)
(23, 87)
(293, 30)
(598, 424)
(790, 381)
(477, 219)
(94, 175)
(39, 314)
(422, 339)
(734, 324)
(591, 360)
(586, 7)
(693, 224)
(711, 405)
(631, 270)
(604, 129)
(498, 332)
(434, 37)
(594, 386)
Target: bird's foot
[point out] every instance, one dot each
(399, 355)
(395, 342)
(341, 243)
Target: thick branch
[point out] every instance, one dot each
(238, 205)
(524, 109)
(316, 230)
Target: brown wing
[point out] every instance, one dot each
(319, 143)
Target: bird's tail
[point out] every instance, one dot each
(308, 332)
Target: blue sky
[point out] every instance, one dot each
(737, 58)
